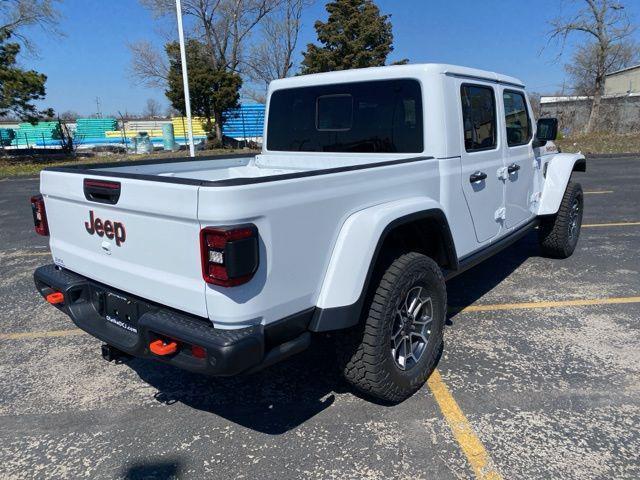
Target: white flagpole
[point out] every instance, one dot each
(185, 78)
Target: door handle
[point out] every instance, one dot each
(101, 191)
(477, 177)
(513, 168)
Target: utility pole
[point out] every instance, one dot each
(185, 78)
(98, 112)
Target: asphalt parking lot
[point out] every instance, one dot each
(540, 377)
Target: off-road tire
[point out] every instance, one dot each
(365, 355)
(555, 231)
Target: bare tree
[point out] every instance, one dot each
(152, 109)
(607, 23)
(148, 64)
(272, 58)
(69, 116)
(222, 25)
(16, 15)
(534, 100)
(170, 111)
(584, 64)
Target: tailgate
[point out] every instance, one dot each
(154, 249)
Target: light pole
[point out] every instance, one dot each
(185, 78)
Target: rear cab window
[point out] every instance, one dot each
(517, 120)
(478, 117)
(334, 113)
(382, 116)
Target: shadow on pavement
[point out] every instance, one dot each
(472, 285)
(288, 394)
(163, 470)
(272, 401)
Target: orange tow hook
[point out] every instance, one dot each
(160, 347)
(55, 298)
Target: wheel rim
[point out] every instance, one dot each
(411, 328)
(574, 219)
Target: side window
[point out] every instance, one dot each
(517, 119)
(479, 117)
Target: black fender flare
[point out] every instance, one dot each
(580, 165)
(337, 318)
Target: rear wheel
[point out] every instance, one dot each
(559, 233)
(395, 351)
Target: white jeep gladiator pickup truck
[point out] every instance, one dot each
(373, 187)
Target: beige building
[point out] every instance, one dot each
(623, 82)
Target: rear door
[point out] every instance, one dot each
(518, 154)
(144, 242)
(482, 157)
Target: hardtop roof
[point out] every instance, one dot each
(393, 71)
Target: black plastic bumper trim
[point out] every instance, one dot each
(229, 352)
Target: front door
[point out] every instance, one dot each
(518, 154)
(482, 159)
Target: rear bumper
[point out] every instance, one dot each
(228, 352)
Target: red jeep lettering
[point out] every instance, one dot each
(106, 228)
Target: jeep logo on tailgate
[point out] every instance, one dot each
(107, 228)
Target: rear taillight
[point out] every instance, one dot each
(229, 254)
(39, 215)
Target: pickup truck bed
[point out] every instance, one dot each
(184, 170)
(230, 170)
(163, 205)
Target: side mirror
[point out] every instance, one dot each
(547, 129)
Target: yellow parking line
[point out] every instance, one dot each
(49, 334)
(618, 224)
(551, 304)
(25, 254)
(600, 192)
(462, 430)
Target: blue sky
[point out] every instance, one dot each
(506, 36)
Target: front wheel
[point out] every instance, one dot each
(559, 233)
(393, 354)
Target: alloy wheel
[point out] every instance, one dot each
(411, 327)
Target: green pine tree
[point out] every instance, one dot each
(19, 88)
(355, 35)
(211, 90)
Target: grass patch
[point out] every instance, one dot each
(28, 166)
(599, 143)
